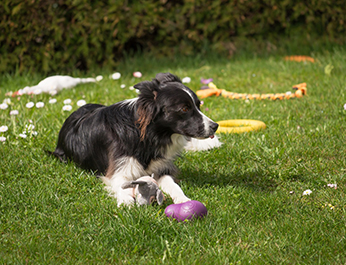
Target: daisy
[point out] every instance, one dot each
(22, 135)
(7, 101)
(81, 103)
(307, 192)
(29, 105)
(3, 128)
(2, 139)
(3, 106)
(67, 101)
(123, 86)
(39, 105)
(99, 78)
(53, 92)
(335, 186)
(67, 108)
(52, 101)
(14, 112)
(186, 80)
(30, 127)
(37, 91)
(116, 76)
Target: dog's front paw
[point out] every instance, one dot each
(124, 198)
(129, 202)
(181, 200)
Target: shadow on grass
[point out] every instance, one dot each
(256, 180)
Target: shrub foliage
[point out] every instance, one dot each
(52, 35)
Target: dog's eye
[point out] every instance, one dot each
(185, 109)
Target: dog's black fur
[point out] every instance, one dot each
(98, 137)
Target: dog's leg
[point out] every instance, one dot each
(129, 170)
(168, 186)
(113, 186)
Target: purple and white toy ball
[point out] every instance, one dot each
(186, 210)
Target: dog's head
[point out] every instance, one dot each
(167, 103)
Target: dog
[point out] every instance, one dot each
(138, 137)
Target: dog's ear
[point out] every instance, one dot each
(147, 87)
(146, 104)
(159, 196)
(139, 182)
(167, 77)
(128, 185)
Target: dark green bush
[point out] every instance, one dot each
(59, 35)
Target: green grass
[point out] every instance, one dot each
(52, 213)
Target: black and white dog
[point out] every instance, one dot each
(138, 137)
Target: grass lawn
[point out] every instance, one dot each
(52, 213)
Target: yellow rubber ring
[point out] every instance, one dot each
(239, 126)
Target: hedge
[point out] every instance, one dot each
(59, 35)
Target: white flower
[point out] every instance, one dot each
(14, 112)
(3, 106)
(131, 88)
(7, 101)
(53, 92)
(23, 135)
(37, 91)
(67, 101)
(39, 105)
(335, 186)
(30, 127)
(67, 108)
(52, 101)
(186, 80)
(2, 139)
(29, 130)
(3, 128)
(81, 103)
(137, 74)
(116, 76)
(99, 78)
(29, 105)
(123, 86)
(307, 192)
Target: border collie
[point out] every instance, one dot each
(138, 137)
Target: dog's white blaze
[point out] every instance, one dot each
(206, 120)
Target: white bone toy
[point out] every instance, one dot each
(53, 85)
(145, 190)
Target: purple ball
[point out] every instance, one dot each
(186, 210)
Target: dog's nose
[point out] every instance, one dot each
(214, 126)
